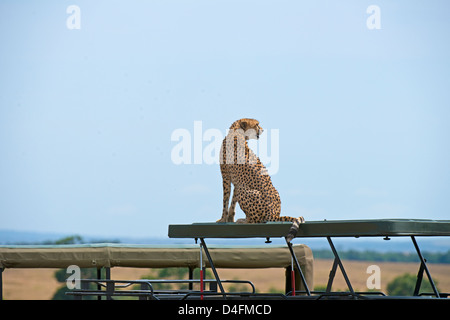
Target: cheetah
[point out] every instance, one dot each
(253, 188)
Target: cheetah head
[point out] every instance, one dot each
(250, 128)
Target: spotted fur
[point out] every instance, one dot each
(253, 188)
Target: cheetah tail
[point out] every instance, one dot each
(294, 228)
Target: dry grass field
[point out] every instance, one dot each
(31, 284)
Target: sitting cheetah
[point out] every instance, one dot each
(253, 188)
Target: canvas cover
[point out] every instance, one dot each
(140, 256)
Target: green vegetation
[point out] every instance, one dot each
(404, 285)
(75, 239)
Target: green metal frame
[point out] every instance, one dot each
(334, 228)
(331, 228)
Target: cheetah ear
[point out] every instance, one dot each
(243, 124)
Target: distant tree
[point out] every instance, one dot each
(75, 239)
(404, 285)
(61, 275)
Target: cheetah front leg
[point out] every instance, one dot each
(232, 209)
(226, 198)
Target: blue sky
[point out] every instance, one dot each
(86, 115)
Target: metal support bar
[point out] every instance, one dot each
(424, 266)
(289, 244)
(99, 287)
(202, 286)
(110, 288)
(191, 276)
(99, 277)
(213, 268)
(331, 276)
(1, 284)
(144, 287)
(339, 262)
(419, 279)
(108, 277)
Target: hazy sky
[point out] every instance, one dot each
(359, 117)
